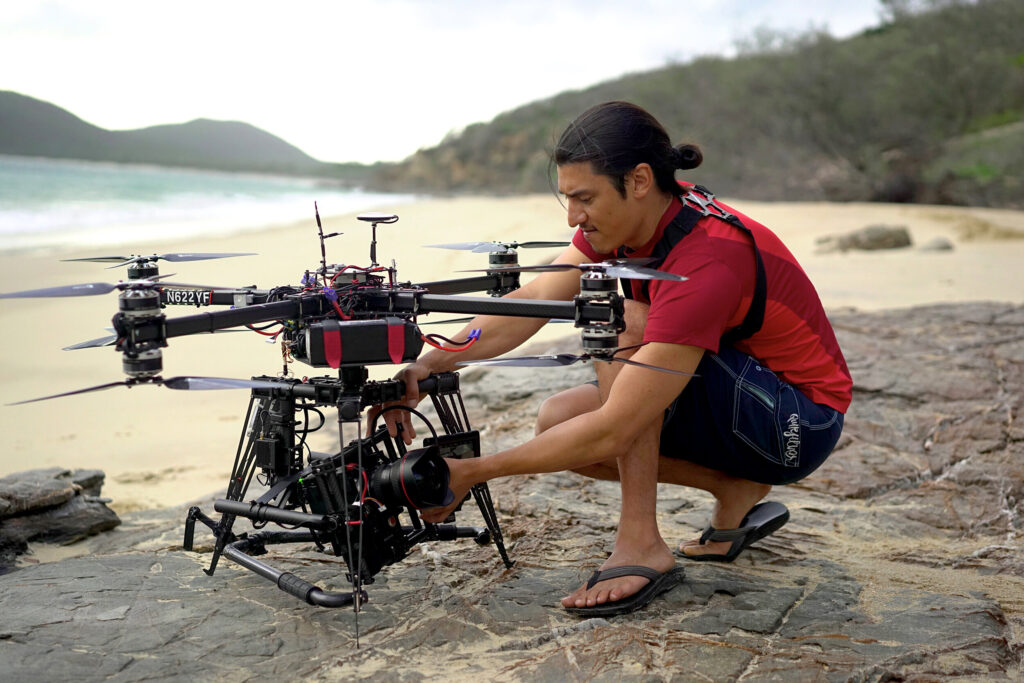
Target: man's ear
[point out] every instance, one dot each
(640, 180)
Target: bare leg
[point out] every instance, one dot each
(566, 405)
(638, 541)
(733, 496)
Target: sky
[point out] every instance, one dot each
(372, 80)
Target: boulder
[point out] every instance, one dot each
(871, 238)
(51, 505)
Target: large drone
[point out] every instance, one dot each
(362, 501)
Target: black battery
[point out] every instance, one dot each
(343, 343)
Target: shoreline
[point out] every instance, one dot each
(161, 448)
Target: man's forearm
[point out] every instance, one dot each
(498, 335)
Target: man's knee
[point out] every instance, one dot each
(566, 405)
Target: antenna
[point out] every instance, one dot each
(373, 219)
(323, 248)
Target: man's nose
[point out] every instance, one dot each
(575, 215)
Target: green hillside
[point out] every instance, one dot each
(31, 127)
(919, 109)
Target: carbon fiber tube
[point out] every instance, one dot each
(286, 581)
(260, 512)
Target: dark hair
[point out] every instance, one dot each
(615, 137)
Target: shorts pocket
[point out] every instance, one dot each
(766, 415)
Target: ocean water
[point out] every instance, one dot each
(50, 202)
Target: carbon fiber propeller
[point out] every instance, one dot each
(97, 288)
(486, 247)
(629, 269)
(563, 359)
(181, 383)
(119, 261)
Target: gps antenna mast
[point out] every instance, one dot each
(323, 248)
(373, 219)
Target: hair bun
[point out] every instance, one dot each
(688, 156)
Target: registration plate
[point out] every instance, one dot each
(186, 297)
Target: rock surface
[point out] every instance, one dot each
(871, 238)
(903, 558)
(50, 505)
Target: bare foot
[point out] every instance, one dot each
(728, 514)
(657, 557)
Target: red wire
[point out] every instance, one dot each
(452, 349)
(340, 313)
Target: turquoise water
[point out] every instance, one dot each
(48, 202)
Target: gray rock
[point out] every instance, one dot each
(871, 238)
(902, 559)
(34, 489)
(53, 506)
(37, 489)
(937, 244)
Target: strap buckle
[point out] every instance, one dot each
(705, 203)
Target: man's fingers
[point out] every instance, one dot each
(408, 433)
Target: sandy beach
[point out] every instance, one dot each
(163, 448)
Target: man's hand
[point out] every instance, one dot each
(411, 375)
(459, 485)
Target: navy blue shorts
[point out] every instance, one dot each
(740, 418)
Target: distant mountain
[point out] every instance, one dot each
(31, 127)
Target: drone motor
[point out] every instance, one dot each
(595, 284)
(143, 269)
(137, 304)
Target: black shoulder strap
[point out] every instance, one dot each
(675, 231)
(697, 204)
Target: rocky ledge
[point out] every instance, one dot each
(902, 560)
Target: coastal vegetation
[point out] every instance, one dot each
(926, 107)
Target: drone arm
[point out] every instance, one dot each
(218, 320)
(465, 285)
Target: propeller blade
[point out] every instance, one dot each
(158, 281)
(445, 322)
(539, 244)
(487, 247)
(563, 359)
(631, 261)
(459, 245)
(100, 259)
(621, 268)
(99, 387)
(186, 383)
(549, 268)
(120, 261)
(90, 289)
(189, 285)
(652, 367)
(529, 361)
(205, 256)
(126, 262)
(213, 383)
(93, 343)
(484, 247)
(640, 273)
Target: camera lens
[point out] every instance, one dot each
(419, 479)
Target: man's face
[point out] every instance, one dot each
(608, 219)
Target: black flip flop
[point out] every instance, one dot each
(762, 520)
(659, 583)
